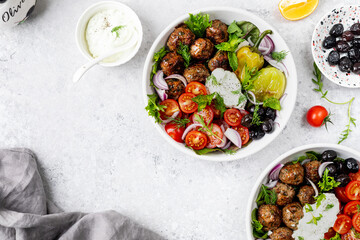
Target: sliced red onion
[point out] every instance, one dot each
(172, 117)
(224, 139)
(305, 161)
(234, 137)
(162, 94)
(267, 45)
(179, 77)
(253, 100)
(274, 173)
(276, 64)
(159, 81)
(210, 146)
(314, 187)
(322, 168)
(271, 184)
(189, 128)
(227, 145)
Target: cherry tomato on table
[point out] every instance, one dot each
(233, 117)
(317, 116)
(351, 208)
(186, 104)
(356, 222)
(341, 195)
(207, 114)
(342, 224)
(352, 190)
(171, 107)
(196, 140)
(196, 88)
(175, 131)
(244, 134)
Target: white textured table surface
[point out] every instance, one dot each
(96, 146)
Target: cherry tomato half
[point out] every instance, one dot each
(207, 114)
(355, 176)
(171, 107)
(331, 233)
(244, 134)
(196, 140)
(316, 116)
(175, 131)
(215, 140)
(341, 195)
(356, 222)
(352, 190)
(217, 112)
(342, 224)
(233, 117)
(186, 104)
(196, 88)
(351, 208)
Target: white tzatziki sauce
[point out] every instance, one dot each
(310, 231)
(228, 86)
(110, 29)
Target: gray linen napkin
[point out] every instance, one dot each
(24, 209)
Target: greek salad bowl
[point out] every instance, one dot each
(309, 192)
(219, 84)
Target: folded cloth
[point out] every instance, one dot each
(24, 209)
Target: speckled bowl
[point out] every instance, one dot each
(347, 15)
(291, 155)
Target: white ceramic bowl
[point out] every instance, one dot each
(291, 155)
(348, 15)
(91, 11)
(228, 15)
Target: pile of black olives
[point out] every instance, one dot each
(340, 168)
(267, 117)
(346, 46)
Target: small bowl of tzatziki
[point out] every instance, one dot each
(107, 26)
(302, 195)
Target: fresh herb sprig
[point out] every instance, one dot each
(279, 56)
(157, 58)
(180, 122)
(321, 197)
(315, 220)
(198, 23)
(153, 108)
(206, 100)
(327, 183)
(266, 196)
(116, 30)
(258, 228)
(273, 103)
(319, 83)
(206, 128)
(184, 51)
(256, 117)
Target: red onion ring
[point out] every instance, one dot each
(162, 94)
(267, 45)
(159, 81)
(189, 128)
(227, 145)
(171, 118)
(253, 101)
(274, 173)
(179, 77)
(322, 168)
(276, 64)
(271, 184)
(314, 187)
(234, 137)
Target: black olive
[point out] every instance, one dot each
(337, 30)
(345, 64)
(347, 36)
(355, 28)
(246, 120)
(267, 126)
(261, 112)
(270, 113)
(251, 109)
(354, 54)
(334, 58)
(342, 46)
(256, 133)
(261, 134)
(343, 179)
(329, 42)
(351, 165)
(332, 169)
(340, 167)
(328, 156)
(356, 68)
(356, 42)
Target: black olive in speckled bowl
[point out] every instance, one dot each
(354, 54)
(328, 156)
(351, 165)
(342, 46)
(334, 58)
(355, 28)
(343, 179)
(356, 68)
(337, 30)
(329, 42)
(345, 64)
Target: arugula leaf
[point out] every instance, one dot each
(116, 30)
(157, 58)
(233, 61)
(273, 103)
(266, 196)
(153, 108)
(327, 183)
(329, 206)
(249, 30)
(198, 23)
(308, 208)
(319, 199)
(279, 56)
(314, 219)
(184, 51)
(258, 231)
(256, 118)
(203, 100)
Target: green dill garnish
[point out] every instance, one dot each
(180, 122)
(256, 118)
(279, 56)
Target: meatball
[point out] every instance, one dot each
(181, 34)
(176, 88)
(311, 171)
(291, 215)
(284, 193)
(282, 233)
(172, 63)
(269, 216)
(292, 174)
(197, 72)
(220, 60)
(202, 49)
(218, 32)
(306, 195)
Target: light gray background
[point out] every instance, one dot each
(98, 149)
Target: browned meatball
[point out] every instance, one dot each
(176, 88)
(282, 233)
(311, 171)
(181, 34)
(172, 63)
(284, 193)
(306, 195)
(269, 216)
(202, 49)
(197, 72)
(291, 215)
(220, 60)
(292, 174)
(218, 32)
